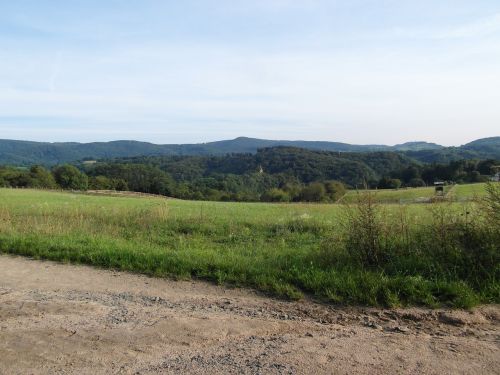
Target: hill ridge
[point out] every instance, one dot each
(19, 152)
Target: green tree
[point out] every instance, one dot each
(389, 183)
(416, 182)
(334, 190)
(101, 183)
(314, 192)
(120, 184)
(42, 178)
(69, 177)
(275, 195)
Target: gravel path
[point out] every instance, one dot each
(65, 319)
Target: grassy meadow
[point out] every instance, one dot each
(468, 191)
(461, 193)
(363, 253)
(393, 196)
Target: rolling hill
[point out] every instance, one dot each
(14, 152)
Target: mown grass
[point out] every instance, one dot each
(426, 254)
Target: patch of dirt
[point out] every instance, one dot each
(66, 319)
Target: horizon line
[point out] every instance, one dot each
(243, 137)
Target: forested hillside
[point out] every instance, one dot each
(23, 153)
(271, 174)
(301, 164)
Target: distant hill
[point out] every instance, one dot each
(14, 152)
(486, 148)
(416, 146)
(484, 145)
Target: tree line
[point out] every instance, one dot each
(148, 179)
(281, 174)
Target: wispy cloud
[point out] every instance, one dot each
(189, 71)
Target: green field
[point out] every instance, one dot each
(406, 195)
(468, 191)
(420, 195)
(423, 253)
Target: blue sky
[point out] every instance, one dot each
(357, 71)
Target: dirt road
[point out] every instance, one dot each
(64, 319)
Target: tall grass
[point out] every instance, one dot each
(365, 253)
(454, 255)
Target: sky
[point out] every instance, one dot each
(169, 71)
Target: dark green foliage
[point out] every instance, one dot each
(248, 177)
(36, 177)
(105, 183)
(275, 195)
(314, 192)
(69, 177)
(42, 178)
(486, 148)
(136, 177)
(416, 182)
(272, 174)
(389, 183)
(484, 145)
(459, 171)
(14, 177)
(27, 153)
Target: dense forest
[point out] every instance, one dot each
(24, 153)
(272, 174)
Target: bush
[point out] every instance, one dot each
(314, 192)
(42, 178)
(416, 182)
(275, 195)
(491, 203)
(389, 183)
(335, 190)
(364, 231)
(69, 177)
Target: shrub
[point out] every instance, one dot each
(42, 178)
(69, 177)
(334, 190)
(314, 192)
(389, 183)
(491, 203)
(275, 195)
(364, 231)
(416, 182)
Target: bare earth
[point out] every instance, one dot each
(64, 319)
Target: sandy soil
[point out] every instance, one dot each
(64, 319)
